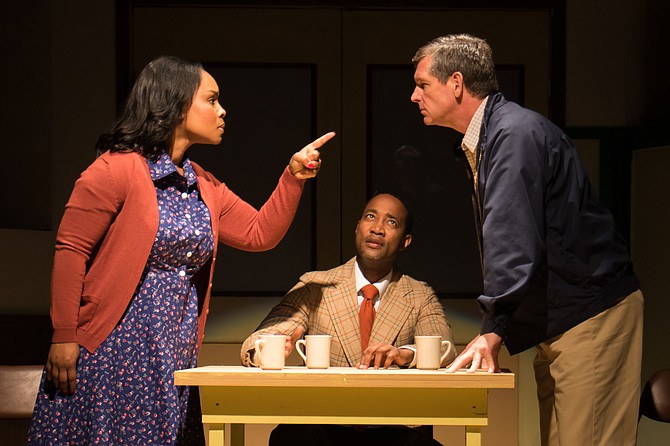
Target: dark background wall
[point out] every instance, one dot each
(59, 92)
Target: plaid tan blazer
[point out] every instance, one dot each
(325, 302)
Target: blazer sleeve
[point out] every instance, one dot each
(292, 312)
(432, 320)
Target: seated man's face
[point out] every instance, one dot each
(380, 233)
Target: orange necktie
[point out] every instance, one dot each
(366, 315)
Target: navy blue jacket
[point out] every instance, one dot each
(551, 255)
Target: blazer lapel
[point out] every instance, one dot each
(342, 304)
(394, 309)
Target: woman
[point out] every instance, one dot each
(134, 261)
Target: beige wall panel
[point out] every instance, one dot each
(650, 245)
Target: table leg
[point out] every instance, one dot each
(216, 434)
(237, 435)
(473, 436)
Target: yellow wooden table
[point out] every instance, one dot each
(341, 395)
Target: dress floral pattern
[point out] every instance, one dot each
(125, 389)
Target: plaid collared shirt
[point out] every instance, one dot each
(471, 139)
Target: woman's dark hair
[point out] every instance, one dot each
(156, 105)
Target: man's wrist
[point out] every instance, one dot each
(408, 352)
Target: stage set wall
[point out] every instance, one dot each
(60, 91)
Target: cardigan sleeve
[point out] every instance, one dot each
(92, 206)
(243, 227)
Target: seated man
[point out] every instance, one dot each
(328, 302)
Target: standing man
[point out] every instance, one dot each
(330, 302)
(557, 275)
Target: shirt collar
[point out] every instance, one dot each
(164, 167)
(381, 284)
(471, 137)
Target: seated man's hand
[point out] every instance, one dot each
(293, 338)
(384, 355)
(288, 347)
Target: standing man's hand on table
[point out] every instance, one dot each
(481, 353)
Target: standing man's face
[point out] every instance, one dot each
(437, 101)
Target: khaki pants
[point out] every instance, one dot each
(588, 379)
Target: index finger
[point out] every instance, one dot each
(365, 359)
(381, 358)
(320, 141)
(460, 362)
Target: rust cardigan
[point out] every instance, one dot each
(108, 229)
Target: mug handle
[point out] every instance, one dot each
(258, 346)
(298, 344)
(444, 356)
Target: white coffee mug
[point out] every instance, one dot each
(315, 351)
(270, 351)
(429, 352)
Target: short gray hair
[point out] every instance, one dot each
(469, 55)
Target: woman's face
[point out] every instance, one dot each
(203, 123)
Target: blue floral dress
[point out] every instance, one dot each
(125, 389)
